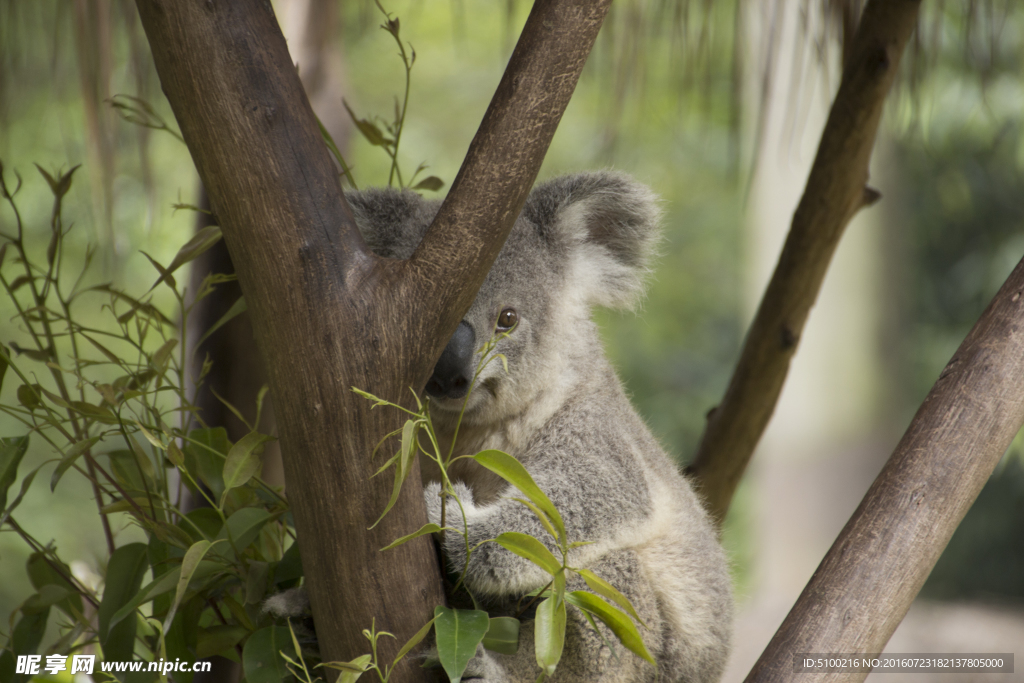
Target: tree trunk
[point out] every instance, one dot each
(864, 586)
(836, 190)
(328, 314)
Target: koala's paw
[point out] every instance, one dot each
(432, 496)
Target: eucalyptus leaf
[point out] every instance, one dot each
(614, 618)
(125, 570)
(161, 585)
(605, 589)
(28, 632)
(67, 461)
(416, 639)
(512, 471)
(429, 528)
(200, 243)
(12, 450)
(260, 659)
(188, 569)
(243, 460)
(44, 571)
(216, 639)
(241, 529)
(236, 309)
(502, 635)
(432, 183)
(529, 547)
(458, 633)
(549, 634)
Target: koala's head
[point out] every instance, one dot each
(581, 240)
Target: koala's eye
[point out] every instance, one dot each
(507, 319)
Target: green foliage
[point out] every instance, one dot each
(390, 137)
(110, 399)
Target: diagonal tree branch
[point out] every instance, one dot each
(506, 154)
(836, 190)
(864, 586)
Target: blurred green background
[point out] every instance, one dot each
(662, 98)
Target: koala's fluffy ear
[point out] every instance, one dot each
(391, 221)
(609, 223)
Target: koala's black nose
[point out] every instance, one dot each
(454, 370)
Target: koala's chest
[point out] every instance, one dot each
(487, 486)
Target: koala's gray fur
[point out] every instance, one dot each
(581, 240)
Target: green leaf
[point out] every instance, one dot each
(544, 519)
(458, 631)
(25, 484)
(432, 183)
(202, 523)
(236, 309)
(407, 453)
(188, 568)
(12, 450)
(28, 632)
(529, 547)
(200, 242)
(503, 635)
(163, 354)
(125, 570)
(4, 363)
(605, 589)
(351, 670)
(369, 131)
(216, 639)
(43, 571)
(67, 461)
(414, 641)
(28, 396)
(430, 528)
(205, 453)
(260, 659)
(549, 634)
(256, 582)
(97, 413)
(47, 596)
(241, 529)
(243, 460)
(165, 583)
(165, 274)
(104, 350)
(290, 566)
(512, 471)
(614, 618)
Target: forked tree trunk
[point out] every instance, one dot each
(327, 313)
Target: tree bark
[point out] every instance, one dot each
(864, 586)
(327, 313)
(836, 190)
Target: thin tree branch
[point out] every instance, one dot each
(836, 190)
(503, 160)
(864, 586)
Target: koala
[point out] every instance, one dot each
(581, 241)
